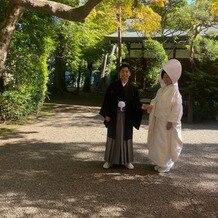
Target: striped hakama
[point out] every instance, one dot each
(118, 150)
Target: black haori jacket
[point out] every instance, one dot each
(133, 112)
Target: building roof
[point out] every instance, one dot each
(131, 35)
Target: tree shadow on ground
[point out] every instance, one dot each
(210, 125)
(40, 179)
(84, 98)
(72, 115)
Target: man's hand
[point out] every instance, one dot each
(107, 119)
(147, 106)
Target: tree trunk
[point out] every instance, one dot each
(7, 28)
(87, 83)
(59, 76)
(190, 109)
(101, 82)
(104, 65)
(193, 69)
(119, 59)
(78, 80)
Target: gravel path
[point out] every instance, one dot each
(52, 167)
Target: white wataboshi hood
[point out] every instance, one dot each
(174, 69)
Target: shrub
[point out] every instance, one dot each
(15, 106)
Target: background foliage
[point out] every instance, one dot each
(44, 48)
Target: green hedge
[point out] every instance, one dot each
(15, 106)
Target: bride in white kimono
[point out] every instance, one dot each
(164, 134)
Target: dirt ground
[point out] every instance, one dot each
(52, 167)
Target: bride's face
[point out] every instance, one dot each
(167, 79)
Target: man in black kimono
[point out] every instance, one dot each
(122, 111)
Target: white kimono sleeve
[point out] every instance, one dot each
(153, 102)
(176, 109)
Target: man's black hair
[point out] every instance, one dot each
(124, 65)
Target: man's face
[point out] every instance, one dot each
(125, 74)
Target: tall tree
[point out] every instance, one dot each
(16, 9)
(142, 18)
(193, 19)
(167, 10)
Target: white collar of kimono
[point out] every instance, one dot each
(171, 85)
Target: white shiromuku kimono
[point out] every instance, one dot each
(164, 146)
